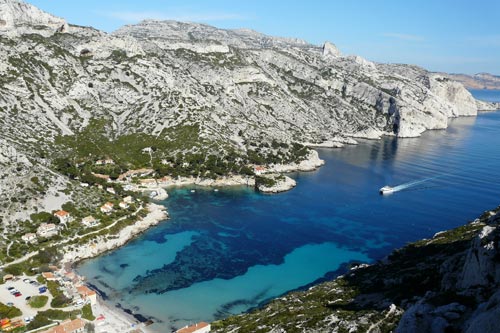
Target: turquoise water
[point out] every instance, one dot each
(224, 252)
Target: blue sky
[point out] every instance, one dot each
(459, 36)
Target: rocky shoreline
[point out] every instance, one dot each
(158, 213)
(100, 245)
(449, 283)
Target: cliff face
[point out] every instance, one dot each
(233, 95)
(449, 283)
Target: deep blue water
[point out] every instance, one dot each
(227, 251)
(486, 95)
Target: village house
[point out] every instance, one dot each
(135, 173)
(87, 294)
(165, 179)
(49, 276)
(89, 221)
(111, 190)
(123, 205)
(147, 181)
(46, 230)
(63, 216)
(68, 326)
(29, 238)
(201, 327)
(107, 208)
(128, 199)
(259, 170)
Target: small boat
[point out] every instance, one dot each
(386, 190)
(192, 191)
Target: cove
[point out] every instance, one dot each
(224, 252)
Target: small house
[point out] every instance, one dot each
(87, 294)
(128, 199)
(123, 205)
(107, 208)
(63, 216)
(201, 327)
(29, 238)
(49, 276)
(259, 170)
(89, 221)
(46, 230)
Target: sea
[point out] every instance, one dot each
(227, 250)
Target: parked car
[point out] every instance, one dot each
(28, 298)
(42, 289)
(26, 280)
(10, 288)
(18, 294)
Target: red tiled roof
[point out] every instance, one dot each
(61, 213)
(193, 328)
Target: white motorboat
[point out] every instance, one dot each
(386, 190)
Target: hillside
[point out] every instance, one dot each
(182, 99)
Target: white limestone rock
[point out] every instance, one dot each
(283, 184)
(20, 17)
(330, 50)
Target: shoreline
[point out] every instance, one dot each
(100, 245)
(115, 317)
(157, 213)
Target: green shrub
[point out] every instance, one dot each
(87, 312)
(9, 311)
(38, 301)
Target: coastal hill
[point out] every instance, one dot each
(477, 81)
(187, 99)
(86, 117)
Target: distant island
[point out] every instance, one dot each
(478, 81)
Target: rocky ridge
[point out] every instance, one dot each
(187, 98)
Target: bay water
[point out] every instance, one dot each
(223, 252)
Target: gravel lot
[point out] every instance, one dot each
(26, 290)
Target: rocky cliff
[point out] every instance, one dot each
(191, 99)
(449, 283)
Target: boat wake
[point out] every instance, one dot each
(392, 189)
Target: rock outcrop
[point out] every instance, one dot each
(17, 17)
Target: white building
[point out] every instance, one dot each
(107, 208)
(89, 221)
(63, 216)
(29, 238)
(47, 229)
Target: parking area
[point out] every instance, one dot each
(27, 287)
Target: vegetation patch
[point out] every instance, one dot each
(38, 301)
